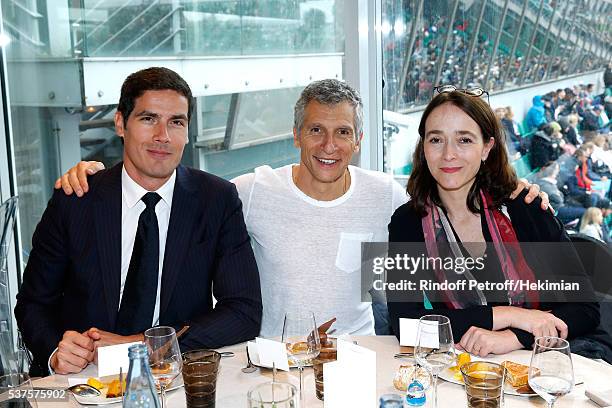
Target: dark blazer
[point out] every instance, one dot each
(72, 280)
(531, 224)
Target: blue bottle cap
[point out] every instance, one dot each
(415, 394)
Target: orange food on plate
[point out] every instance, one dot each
(161, 368)
(462, 359)
(300, 347)
(94, 382)
(114, 389)
(516, 374)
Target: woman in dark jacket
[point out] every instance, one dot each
(459, 190)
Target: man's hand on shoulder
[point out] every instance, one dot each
(533, 191)
(74, 352)
(75, 179)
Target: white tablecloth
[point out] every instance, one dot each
(232, 384)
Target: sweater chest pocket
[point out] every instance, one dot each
(348, 257)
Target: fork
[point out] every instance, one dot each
(250, 367)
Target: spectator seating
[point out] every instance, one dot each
(596, 258)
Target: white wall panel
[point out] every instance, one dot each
(212, 76)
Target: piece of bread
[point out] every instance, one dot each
(516, 374)
(407, 373)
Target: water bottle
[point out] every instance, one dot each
(140, 391)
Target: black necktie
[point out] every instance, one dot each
(140, 290)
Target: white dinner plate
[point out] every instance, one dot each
(102, 400)
(291, 365)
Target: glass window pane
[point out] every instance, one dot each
(265, 115)
(53, 126)
(497, 45)
(260, 133)
(207, 28)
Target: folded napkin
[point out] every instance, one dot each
(603, 398)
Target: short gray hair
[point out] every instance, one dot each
(329, 92)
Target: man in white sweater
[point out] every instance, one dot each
(307, 221)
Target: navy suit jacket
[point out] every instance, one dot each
(73, 277)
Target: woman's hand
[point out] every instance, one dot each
(536, 322)
(482, 342)
(532, 194)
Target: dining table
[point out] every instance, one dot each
(233, 384)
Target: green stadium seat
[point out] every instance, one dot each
(523, 168)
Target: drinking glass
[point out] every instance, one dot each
(272, 395)
(328, 353)
(435, 349)
(200, 371)
(484, 384)
(164, 356)
(16, 391)
(301, 338)
(551, 372)
(391, 401)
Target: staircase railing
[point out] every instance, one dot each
(29, 33)
(119, 34)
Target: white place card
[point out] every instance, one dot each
(253, 352)
(408, 334)
(112, 358)
(351, 380)
(270, 353)
(603, 398)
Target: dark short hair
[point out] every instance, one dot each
(151, 79)
(604, 204)
(549, 169)
(496, 176)
(547, 129)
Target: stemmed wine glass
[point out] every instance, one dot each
(164, 357)
(432, 331)
(301, 338)
(551, 372)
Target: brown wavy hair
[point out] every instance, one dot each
(496, 176)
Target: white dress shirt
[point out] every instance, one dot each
(131, 207)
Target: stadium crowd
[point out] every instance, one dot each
(565, 138)
(428, 52)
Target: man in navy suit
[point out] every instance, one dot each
(151, 244)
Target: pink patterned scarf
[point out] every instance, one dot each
(437, 230)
